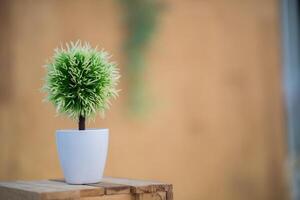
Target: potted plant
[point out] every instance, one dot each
(80, 82)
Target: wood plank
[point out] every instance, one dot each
(123, 186)
(50, 189)
(62, 195)
(169, 195)
(151, 196)
(109, 189)
(112, 197)
(25, 187)
(131, 182)
(41, 192)
(113, 188)
(84, 190)
(18, 194)
(140, 186)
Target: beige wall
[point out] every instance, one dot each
(215, 128)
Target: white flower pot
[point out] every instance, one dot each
(82, 154)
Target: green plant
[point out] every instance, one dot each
(80, 81)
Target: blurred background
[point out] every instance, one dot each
(202, 102)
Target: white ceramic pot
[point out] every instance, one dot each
(82, 154)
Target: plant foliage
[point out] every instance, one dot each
(81, 80)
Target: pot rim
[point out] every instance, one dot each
(90, 130)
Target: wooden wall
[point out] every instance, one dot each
(215, 128)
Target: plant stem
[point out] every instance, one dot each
(81, 123)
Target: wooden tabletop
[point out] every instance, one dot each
(109, 189)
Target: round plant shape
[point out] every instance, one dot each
(81, 81)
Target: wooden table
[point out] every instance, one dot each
(108, 189)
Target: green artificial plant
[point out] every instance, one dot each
(80, 81)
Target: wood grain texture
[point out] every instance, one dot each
(112, 188)
(48, 190)
(112, 197)
(139, 186)
(152, 196)
(18, 194)
(169, 195)
(109, 188)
